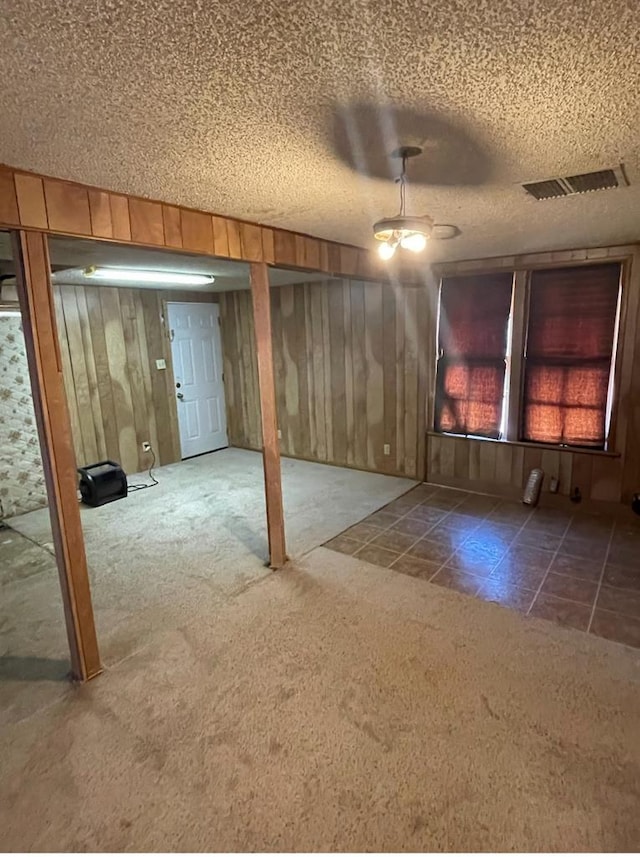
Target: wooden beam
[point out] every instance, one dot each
(259, 277)
(50, 404)
(32, 201)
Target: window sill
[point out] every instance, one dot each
(544, 447)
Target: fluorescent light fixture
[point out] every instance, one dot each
(6, 313)
(138, 275)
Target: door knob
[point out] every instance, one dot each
(180, 395)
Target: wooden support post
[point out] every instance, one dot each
(45, 369)
(259, 277)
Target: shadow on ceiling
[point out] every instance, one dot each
(365, 135)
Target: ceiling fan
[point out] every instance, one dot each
(411, 232)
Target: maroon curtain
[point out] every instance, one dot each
(474, 315)
(572, 314)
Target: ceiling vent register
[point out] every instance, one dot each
(581, 183)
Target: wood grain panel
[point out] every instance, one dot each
(81, 210)
(106, 409)
(337, 391)
(67, 207)
(120, 217)
(147, 226)
(390, 404)
(461, 458)
(284, 244)
(110, 340)
(8, 203)
(374, 376)
(348, 371)
(173, 226)
(315, 350)
(251, 242)
(359, 374)
(412, 346)
(268, 249)
(235, 242)
(197, 232)
(31, 204)
(67, 373)
(339, 369)
(100, 212)
(220, 236)
(80, 375)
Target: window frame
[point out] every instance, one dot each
(515, 361)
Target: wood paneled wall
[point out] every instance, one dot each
(503, 467)
(355, 367)
(110, 340)
(350, 372)
(38, 202)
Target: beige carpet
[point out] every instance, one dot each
(158, 556)
(337, 705)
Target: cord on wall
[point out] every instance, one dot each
(154, 481)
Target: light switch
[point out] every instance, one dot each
(161, 364)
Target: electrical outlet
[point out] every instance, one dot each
(279, 434)
(146, 446)
(161, 364)
(387, 449)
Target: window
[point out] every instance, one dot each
(474, 315)
(570, 339)
(564, 338)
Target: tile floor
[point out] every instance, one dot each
(582, 571)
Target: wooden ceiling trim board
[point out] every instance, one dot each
(268, 248)
(60, 206)
(8, 202)
(120, 217)
(197, 232)
(311, 253)
(235, 244)
(534, 260)
(147, 226)
(31, 203)
(285, 247)
(300, 248)
(67, 207)
(172, 226)
(251, 242)
(100, 212)
(220, 236)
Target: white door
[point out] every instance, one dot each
(196, 349)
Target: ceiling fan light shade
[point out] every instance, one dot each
(384, 229)
(386, 250)
(414, 241)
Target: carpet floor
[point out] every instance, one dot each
(158, 556)
(336, 705)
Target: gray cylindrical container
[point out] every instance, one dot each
(533, 487)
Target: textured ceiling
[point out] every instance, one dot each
(285, 112)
